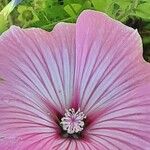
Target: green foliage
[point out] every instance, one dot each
(46, 13)
(27, 15)
(143, 11)
(3, 23)
(72, 9)
(100, 5)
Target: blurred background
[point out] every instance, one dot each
(46, 13)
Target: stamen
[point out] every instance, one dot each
(73, 122)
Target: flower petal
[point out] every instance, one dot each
(124, 123)
(113, 81)
(35, 62)
(37, 68)
(112, 84)
(109, 55)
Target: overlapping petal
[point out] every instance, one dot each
(109, 55)
(39, 63)
(37, 68)
(114, 82)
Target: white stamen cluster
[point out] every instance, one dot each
(72, 122)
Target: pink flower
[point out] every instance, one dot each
(83, 86)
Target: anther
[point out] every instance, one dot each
(73, 121)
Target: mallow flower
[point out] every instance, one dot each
(82, 86)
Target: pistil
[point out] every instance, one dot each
(73, 121)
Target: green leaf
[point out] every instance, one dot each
(72, 9)
(55, 13)
(27, 15)
(146, 40)
(100, 4)
(3, 24)
(123, 3)
(143, 11)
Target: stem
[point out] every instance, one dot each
(129, 10)
(135, 3)
(9, 17)
(45, 16)
(145, 32)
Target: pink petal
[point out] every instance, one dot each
(108, 55)
(113, 81)
(8, 144)
(124, 123)
(39, 63)
(38, 71)
(100, 70)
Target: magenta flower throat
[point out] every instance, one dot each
(83, 86)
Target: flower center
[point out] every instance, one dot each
(73, 121)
